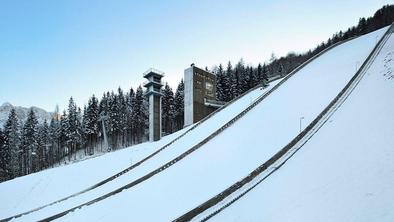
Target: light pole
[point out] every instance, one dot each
(301, 118)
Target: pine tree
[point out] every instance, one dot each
(54, 135)
(167, 109)
(220, 84)
(43, 151)
(9, 153)
(63, 136)
(90, 124)
(79, 139)
(140, 115)
(264, 73)
(2, 159)
(179, 105)
(233, 82)
(242, 83)
(130, 101)
(29, 144)
(1, 139)
(122, 109)
(145, 118)
(73, 128)
(114, 120)
(253, 78)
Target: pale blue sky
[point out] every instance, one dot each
(51, 50)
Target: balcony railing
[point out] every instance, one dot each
(154, 71)
(154, 81)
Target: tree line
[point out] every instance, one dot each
(27, 147)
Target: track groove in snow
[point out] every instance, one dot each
(271, 166)
(233, 153)
(128, 169)
(344, 173)
(198, 145)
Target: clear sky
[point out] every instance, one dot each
(51, 50)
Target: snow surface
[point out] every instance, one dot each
(38, 189)
(233, 153)
(25, 193)
(345, 172)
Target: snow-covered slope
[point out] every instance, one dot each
(345, 172)
(31, 191)
(21, 113)
(42, 188)
(233, 153)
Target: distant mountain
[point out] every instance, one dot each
(22, 112)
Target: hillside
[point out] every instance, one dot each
(183, 177)
(345, 172)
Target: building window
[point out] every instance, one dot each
(209, 88)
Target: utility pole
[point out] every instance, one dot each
(102, 119)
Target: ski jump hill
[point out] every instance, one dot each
(316, 145)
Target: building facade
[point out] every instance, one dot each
(200, 94)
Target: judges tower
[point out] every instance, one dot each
(154, 94)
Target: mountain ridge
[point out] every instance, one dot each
(21, 113)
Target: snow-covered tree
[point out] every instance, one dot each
(114, 120)
(122, 109)
(221, 84)
(29, 143)
(1, 142)
(130, 101)
(90, 124)
(44, 150)
(55, 140)
(140, 115)
(167, 109)
(9, 152)
(179, 105)
(232, 82)
(73, 128)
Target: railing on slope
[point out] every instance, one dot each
(221, 196)
(172, 162)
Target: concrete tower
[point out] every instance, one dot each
(200, 94)
(154, 94)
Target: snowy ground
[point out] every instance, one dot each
(235, 152)
(26, 193)
(345, 172)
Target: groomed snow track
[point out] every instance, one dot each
(180, 157)
(221, 201)
(139, 162)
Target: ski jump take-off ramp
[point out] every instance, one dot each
(248, 161)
